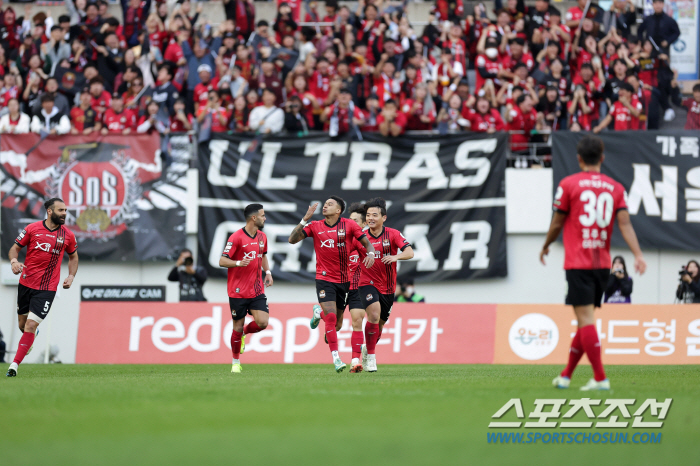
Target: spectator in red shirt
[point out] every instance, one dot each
(626, 109)
(420, 109)
(116, 119)
(343, 115)
(580, 110)
(320, 82)
(522, 119)
(391, 121)
(693, 106)
(485, 119)
(371, 113)
(181, 121)
(218, 113)
(84, 119)
(101, 99)
(201, 90)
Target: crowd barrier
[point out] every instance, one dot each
(192, 333)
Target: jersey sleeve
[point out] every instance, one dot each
(561, 198)
(23, 238)
(308, 230)
(71, 245)
(230, 247)
(399, 240)
(621, 198)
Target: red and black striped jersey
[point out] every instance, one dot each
(333, 245)
(45, 248)
(357, 253)
(383, 276)
(246, 282)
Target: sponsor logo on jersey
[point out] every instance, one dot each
(249, 255)
(354, 258)
(46, 247)
(322, 293)
(228, 247)
(369, 297)
(329, 243)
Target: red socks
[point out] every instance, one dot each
(251, 328)
(575, 354)
(330, 319)
(591, 345)
(371, 336)
(356, 341)
(379, 335)
(236, 344)
(24, 344)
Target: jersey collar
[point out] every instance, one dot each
(47, 228)
(331, 226)
(375, 237)
(248, 235)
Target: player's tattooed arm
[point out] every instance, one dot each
(554, 230)
(298, 232)
(369, 260)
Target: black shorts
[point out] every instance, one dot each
(586, 286)
(333, 292)
(369, 295)
(240, 307)
(354, 301)
(38, 302)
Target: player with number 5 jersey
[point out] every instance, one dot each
(585, 206)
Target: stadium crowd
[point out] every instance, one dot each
(162, 68)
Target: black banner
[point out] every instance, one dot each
(123, 203)
(122, 293)
(660, 171)
(445, 194)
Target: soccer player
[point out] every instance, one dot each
(46, 241)
(332, 243)
(584, 206)
(244, 256)
(378, 282)
(357, 311)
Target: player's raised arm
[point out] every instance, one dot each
(298, 233)
(17, 266)
(630, 237)
(553, 233)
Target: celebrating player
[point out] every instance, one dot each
(46, 241)
(584, 205)
(244, 256)
(332, 243)
(378, 283)
(357, 311)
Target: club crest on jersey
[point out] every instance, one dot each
(386, 243)
(262, 244)
(59, 240)
(341, 234)
(100, 184)
(369, 298)
(322, 293)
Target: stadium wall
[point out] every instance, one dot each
(528, 194)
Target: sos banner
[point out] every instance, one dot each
(193, 333)
(446, 195)
(661, 172)
(122, 203)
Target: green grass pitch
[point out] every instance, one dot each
(309, 415)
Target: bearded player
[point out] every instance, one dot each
(584, 206)
(245, 257)
(332, 243)
(378, 282)
(46, 241)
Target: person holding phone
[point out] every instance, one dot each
(190, 276)
(619, 289)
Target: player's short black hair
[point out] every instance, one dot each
(590, 148)
(357, 208)
(49, 204)
(340, 202)
(252, 209)
(376, 202)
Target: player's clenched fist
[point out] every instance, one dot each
(68, 281)
(17, 267)
(242, 263)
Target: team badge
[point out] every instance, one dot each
(262, 244)
(341, 234)
(369, 297)
(322, 294)
(386, 243)
(59, 240)
(323, 273)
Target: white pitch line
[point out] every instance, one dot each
(235, 204)
(454, 205)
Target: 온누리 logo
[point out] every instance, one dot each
(533, 336)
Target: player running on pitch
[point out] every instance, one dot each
(245, 257)
(584, 206)
(332, 243)
(46, 241)
(378, 283)
(357, 311)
